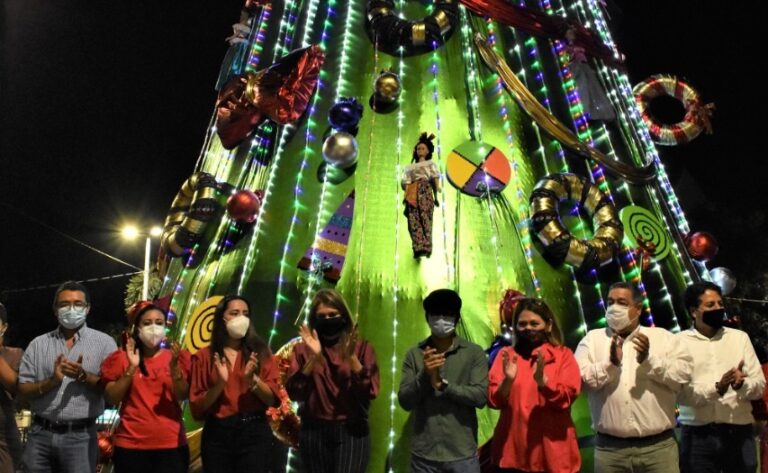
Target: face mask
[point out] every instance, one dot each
(72, 317)
(618, 317)
(238, 327)
(152, 335)
(531, 338)
(441, 325)
(330, 328)
(714, 318)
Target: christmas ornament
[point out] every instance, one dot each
(559, 244)
(478, 169)
(697, 115)
(724, 278)
(281, 93)
(243, 206)
(702, 246)
(345, 114)
(387, 88)
(644, 231)
(395, 35)
(340, 150)
(192, 208)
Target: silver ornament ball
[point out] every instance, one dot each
(724, 278)
(340, 150)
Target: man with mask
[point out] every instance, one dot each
(632, 375)
(59, 375)
(715, 407)
(444, 379)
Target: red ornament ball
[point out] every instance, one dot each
(702, 246)
(243, 206)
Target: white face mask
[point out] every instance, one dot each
(617, 317)
(72, 317)
(238, 327)
(152, 335)
(442, 325)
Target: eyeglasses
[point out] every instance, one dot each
(72, 305)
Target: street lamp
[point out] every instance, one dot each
(131, 232)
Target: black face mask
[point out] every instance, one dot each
(330, 329)
(715, 318)
(528, 340)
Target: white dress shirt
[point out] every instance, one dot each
(700, 403)
(633, 400)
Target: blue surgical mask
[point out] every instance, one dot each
(442, 325)
(72, 317)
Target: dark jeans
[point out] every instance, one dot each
(171, 460)
(236, 444)
(715, 448)
(334, 447)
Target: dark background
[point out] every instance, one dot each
(105, 106)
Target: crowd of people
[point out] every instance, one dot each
(634, 376)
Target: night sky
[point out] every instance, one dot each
(105, 105)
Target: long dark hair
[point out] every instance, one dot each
(136, 328)
(330, 298)
(252, 343)
(540, 308)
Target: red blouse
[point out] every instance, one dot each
(237, 397)
(150, 416)
(332, 391)
(535, 431)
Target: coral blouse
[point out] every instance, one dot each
(535, 431)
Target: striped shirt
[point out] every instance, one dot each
(71, 400)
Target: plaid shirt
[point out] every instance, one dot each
(71, 400)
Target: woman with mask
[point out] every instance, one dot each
(534, 384)
(10, 444)
(234, 381)
(333, 377)
(148, 382)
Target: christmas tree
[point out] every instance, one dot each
(298, 187)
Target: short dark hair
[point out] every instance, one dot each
(694, 292)
(71, 286)
(3, 314)
(443, 302)
(637, 296)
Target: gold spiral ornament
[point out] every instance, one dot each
(199, 327)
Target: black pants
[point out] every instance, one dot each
(172, 460)
(715, 448)
(236, 444)
(334, 447)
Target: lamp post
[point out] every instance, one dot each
(131, 232)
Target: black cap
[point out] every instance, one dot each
(443, 302)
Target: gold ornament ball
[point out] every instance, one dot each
(387, 87)
(340, 150)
